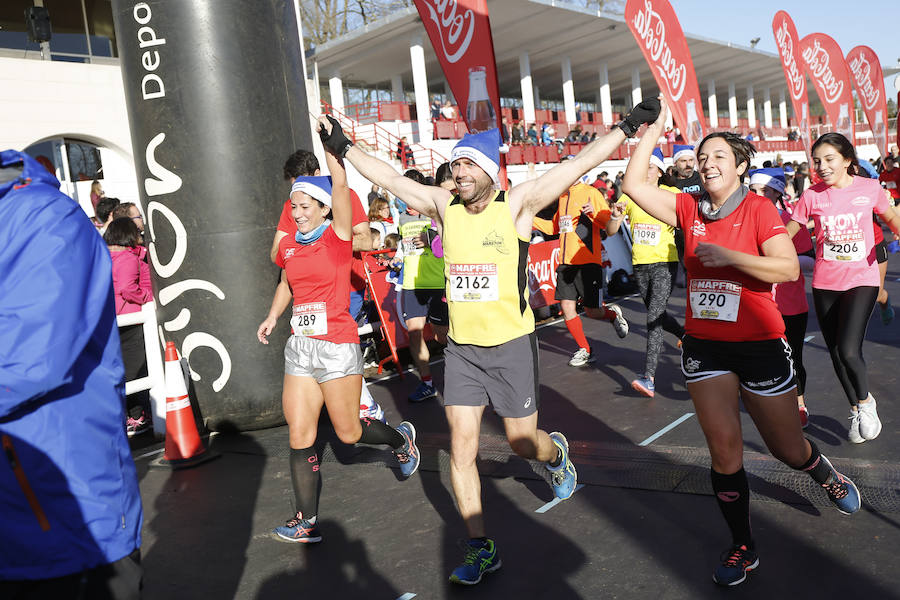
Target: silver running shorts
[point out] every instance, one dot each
(320, 359)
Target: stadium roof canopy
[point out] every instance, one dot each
(549, 30)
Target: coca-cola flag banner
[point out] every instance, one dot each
(788, 43)
(460, 33)
(543, 258)
(658, 33)
(865, 70)
(824, 62)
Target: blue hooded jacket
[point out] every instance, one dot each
(69, 498)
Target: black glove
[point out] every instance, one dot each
(337, 142)
(645, 112)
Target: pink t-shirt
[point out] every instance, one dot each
(790, 296)
(845, 239)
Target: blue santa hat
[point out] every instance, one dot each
(318, 187)
(678, 151)
(772, 177)
(788, 170)
(657, 159)
(867, 170)
(483, 149)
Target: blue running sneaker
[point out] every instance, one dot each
(644, 385)
(298, 530)
(407, 454)
(736, 563)
(841, 491)
(563, 477)
(481, 558)
(422, 393)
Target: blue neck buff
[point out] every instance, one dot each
(314, 235)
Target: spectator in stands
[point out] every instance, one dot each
(505, 133)
(405, 153)
(96, 193)
(132, 289)
(532, 135)
(547, 133)
(448, 112)
(793, 135)
(585, 137)
(574, 134)
(518, 133)
(435, 109)
(104, 213)
(131, 211)
(578, 113)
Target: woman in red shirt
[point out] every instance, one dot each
(322, 360)
(734, 349)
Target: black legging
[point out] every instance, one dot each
(795, 331)
(843, 317)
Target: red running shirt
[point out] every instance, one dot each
(319, 273)
(357, 270)
(790, 296)
(724, 303)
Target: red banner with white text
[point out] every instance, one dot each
(865, 70)
(661, 39)
(543, 258)
(460, 33)
(824, 62)
(788, 43)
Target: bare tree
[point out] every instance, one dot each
(325, 20)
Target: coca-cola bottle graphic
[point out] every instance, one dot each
(479, 112)
(843, 124)
(695, 129)
(879, 123)
(804, 125)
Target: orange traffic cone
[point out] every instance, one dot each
(184, 448)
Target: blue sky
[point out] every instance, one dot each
(876, 24)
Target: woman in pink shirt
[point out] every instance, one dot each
(131, 285)
(845, 279)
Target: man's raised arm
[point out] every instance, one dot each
(422, 198)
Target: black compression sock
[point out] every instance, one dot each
(376, 432)
(817, 468)
(306, 481)
(733, 495)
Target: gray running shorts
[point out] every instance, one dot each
(504, 376)
(320, 359)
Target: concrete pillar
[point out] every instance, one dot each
(568, 89)
(636, 96)
(336, 92)
(397, 88)
(528, 89)
(751, 108)
(782, 111)
(537, 95)
(712, 103)
(420, 86)
(732, 106)
(605, 101)
(767, 108)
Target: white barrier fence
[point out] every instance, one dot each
(155, 380)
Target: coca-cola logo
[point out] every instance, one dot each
(455, 30)
(543, 272)
(862, 71)
(651, 30)
(792, 70)
(817, 59)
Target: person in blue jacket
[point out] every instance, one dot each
(70, 509)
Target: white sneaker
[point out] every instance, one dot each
(619, 323)
(869, 423)
(853, 435)
(581, 358)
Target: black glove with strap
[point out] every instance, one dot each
(336, 141)
(645, 112)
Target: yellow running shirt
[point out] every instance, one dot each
(652, 241)
(485, 265)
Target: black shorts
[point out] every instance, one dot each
(764, 367)
(881, 252)
(584, 282)
(426, 303)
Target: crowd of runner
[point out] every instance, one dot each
(737, 234)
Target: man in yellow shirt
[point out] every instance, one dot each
(655, 261)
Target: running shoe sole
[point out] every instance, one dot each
(747, 569)
(493, 569)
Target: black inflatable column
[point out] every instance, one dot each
(216, 101)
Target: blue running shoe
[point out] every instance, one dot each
(736, 563)
(422, 393)
(841, 491)
(563, 477)
(298, 530)
(644, 385)
(481, 558)
(407, 454)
